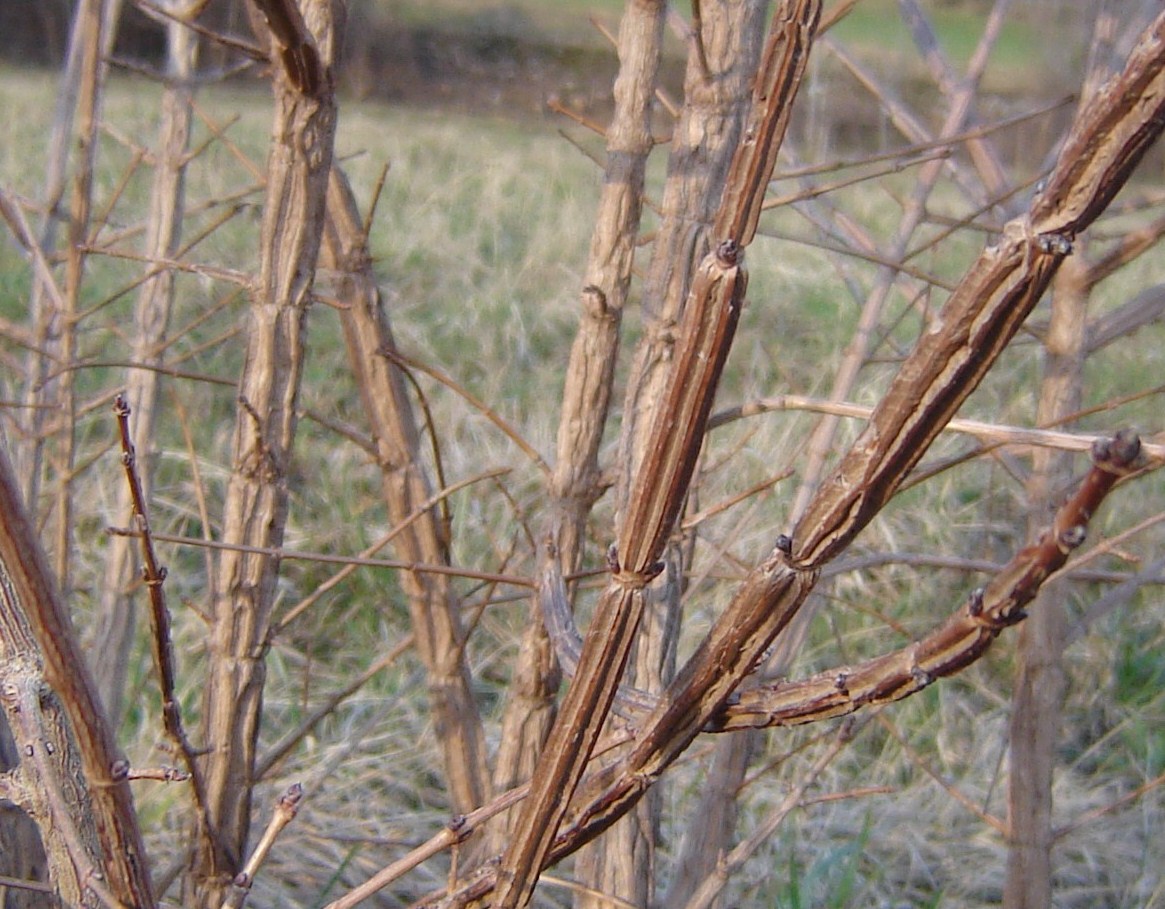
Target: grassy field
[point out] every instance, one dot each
(480, 238)
(873, 27)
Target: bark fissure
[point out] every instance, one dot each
(256, 507)
(661, 476)
(76, 775)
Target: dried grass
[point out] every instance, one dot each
(479, 237)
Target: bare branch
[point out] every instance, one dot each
(35, 627)
(962, 639)
(285, 811)
(154, 576)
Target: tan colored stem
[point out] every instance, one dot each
(255, 512)
(75, 776)
(434, 607)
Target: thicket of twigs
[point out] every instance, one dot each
(308, 492)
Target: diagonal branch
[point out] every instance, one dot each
(434, 605)
(1110, 136)
(946, 365)
(36, 631)
(154, 575)
(962, 639)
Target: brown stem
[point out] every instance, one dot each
(115, 622)
(256, 507)
(39, 649)
(434, 606)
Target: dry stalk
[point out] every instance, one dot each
(960, 102)
(962, 639)
(30, 886)
(49, 697)
(457, 830)
(281, 553)
(52, 304)
(403, 361)
(154, 576)
(286, 808)
(702, 147)
(621, 862)
(575, 483)
(983, 154)
(60, 327)
(983, 314)
(988, 433)
(663, 474)
(255, 512)
(423, 533)
(115, 622)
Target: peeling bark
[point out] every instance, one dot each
(255, 511)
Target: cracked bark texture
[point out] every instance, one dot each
(70, 777)
(1108, 139)
(434, 607)
(576, 483)
(255, 511)
(721, 63)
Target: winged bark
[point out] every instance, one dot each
(434, 607)
(255, 511)
(1110, 135)
(589, 384)
(594, 784)
(662, 476)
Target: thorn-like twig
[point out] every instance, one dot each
(285, 811)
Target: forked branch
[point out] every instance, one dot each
(948, 362)
(662, 479)
(962, 639)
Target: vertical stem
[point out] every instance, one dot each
(114, 633)
(704, 140)
(1041, 682)
(89, 43)
(587, 392)
(722, 60)
(62, 326)
(434, 606)
(255, 512)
